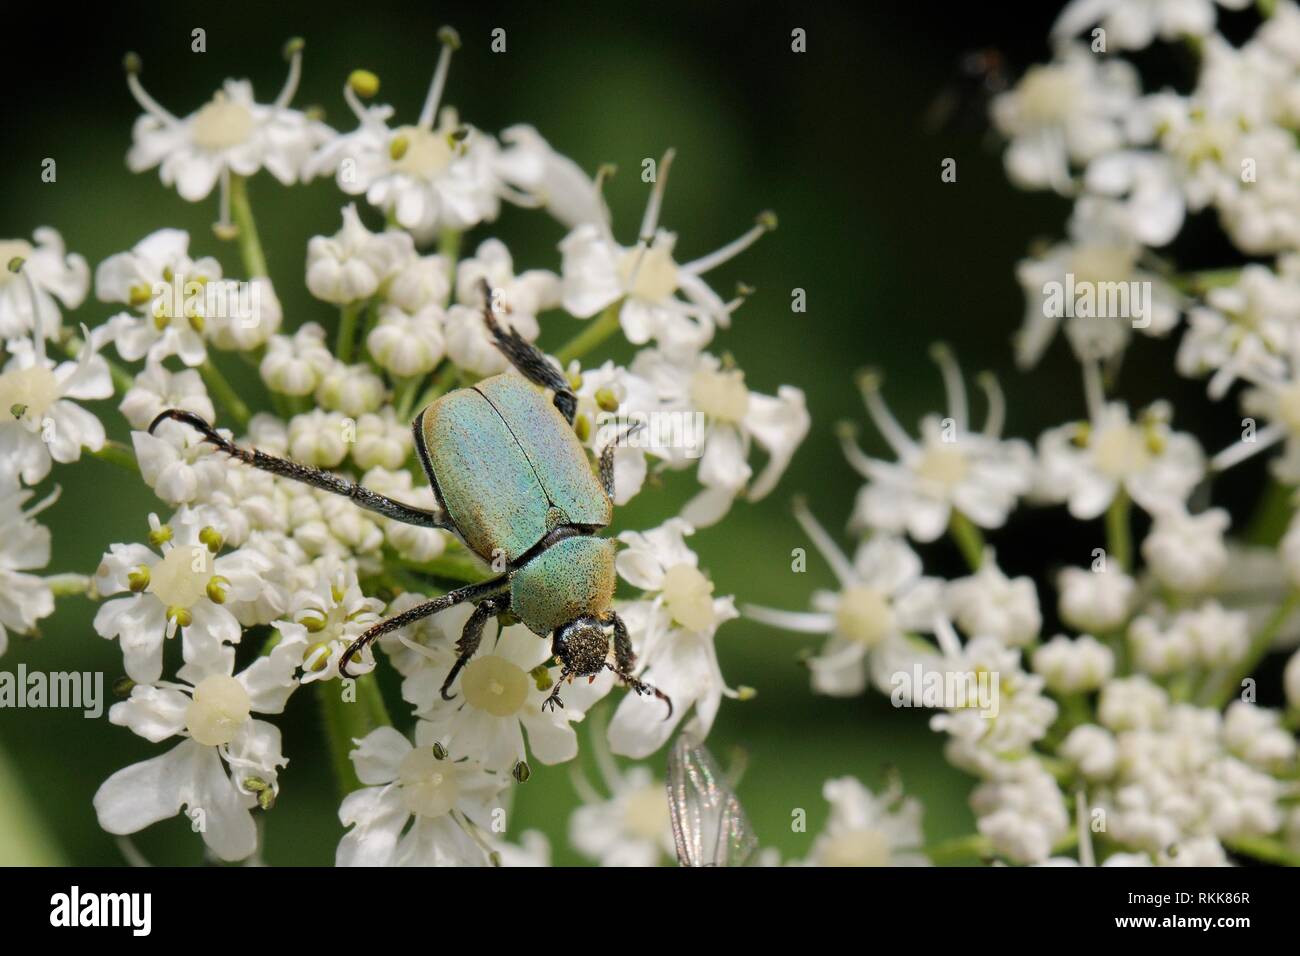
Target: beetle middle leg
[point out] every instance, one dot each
(530, 361)
(316, 477)
(470, 592)
(625, 660)
(472, 635)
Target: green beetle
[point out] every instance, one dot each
(514, 484)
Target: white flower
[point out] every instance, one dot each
(1093, 283)
(1221, 637)
(240, 316)
(1093, 750)
(1134, 24)
(319, 438)
(989, 603)
(40, 420)
(516, 303)
(425, 177)
(165, 290)
(868, 830)
(1068, 111)
(406, 345)
(629, 828)
(155, 389)
(882, 597)
(497, 698)
(1257, 736)
(612, 399)
(644, 281)
(1023, 813)
(53, 273)
(325, 616)
(672, 631)
(296, 365)
(419, 282)
(951, 469)
(178, 464)
(734, 418)
(1129, 703)
(1088, 464)
(351, 389)
(418, 808)
(555, 182)
(350, 265)
(382, 441)
(185, 589)
(229, 134)
(1159, 651)
(1186, 552)
(1096, 601)
(1074, 666)
(228, 762)
(24, 546)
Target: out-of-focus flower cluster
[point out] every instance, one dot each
(245, 586)
(1109, 711)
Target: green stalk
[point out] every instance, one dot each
(449, 249)
(594, 334)
(117, 453)
(24, 838)
(348, 316)
(68, 585)
(1264, 850)
(1219, 692)
(1119, 537)
(346, 721)
(250, 246)
(225, 393)
(969, 539)
(442, 381)
(971, 846)
(404, 396)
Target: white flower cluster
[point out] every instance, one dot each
(1120, 721)
(254, 585)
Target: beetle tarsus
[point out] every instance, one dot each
(470, 638)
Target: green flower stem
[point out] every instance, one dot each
(1119, 536)
(449, 249)
(250, 246)
(442, 381)
(24, 838)
(1219, 692)
(605, 325)
(225, 393)
(972, 846)
(1271, 515)
(348, 316)
(1264, 850)
(68, 585)
(117, 453)
(456, 566)
(404, 396)
(346, 721)
(969, 539)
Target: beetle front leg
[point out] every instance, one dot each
(471, 636)
(625, 660)
(530, 360)
(317, 478)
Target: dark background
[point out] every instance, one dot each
(833, 140)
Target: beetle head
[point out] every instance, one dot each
(581, 646)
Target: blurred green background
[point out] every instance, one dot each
(891, 259)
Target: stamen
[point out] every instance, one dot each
(869, 385)
(997, 416)
(826, 547)
(801, 622)
(953, 384)
(650, 221)
(360, 83)
(1094, 392)
(858, 460)
(946, 635)
(224, 227)
(34, 302)
(766, 223)
(133, 66)
(450, 40)
(1265, 438)
(292, 53)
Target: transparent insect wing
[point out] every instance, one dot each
(709, 824)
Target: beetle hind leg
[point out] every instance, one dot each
(530, 360)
